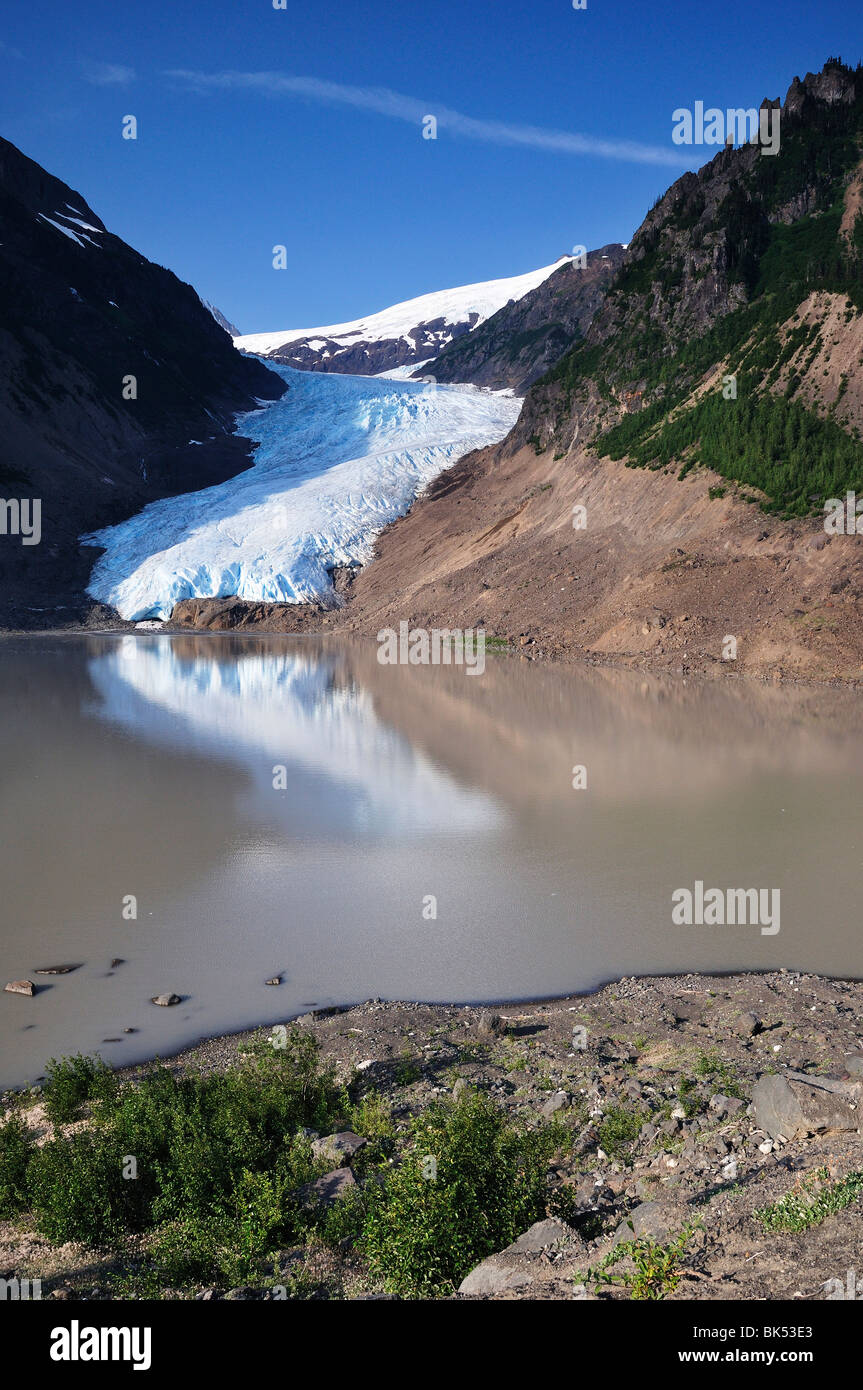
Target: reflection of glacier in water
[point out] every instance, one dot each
(281, 708)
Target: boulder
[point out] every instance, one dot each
(492, 1278)
(725, 1105)
(653, 1221)
(794, 1105)
(21, 987)
(539, 1237)
(165, 1000)
(747, 1025)
(491, 1025)
(519, 1266)
(559, 1101)
(338, 1148)
(329, 1188)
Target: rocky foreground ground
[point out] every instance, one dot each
(713, 1121)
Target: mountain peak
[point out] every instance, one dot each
(833, 84)
(402, 335)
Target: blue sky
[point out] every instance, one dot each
(370, 212)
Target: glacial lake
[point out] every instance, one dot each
(424, 840)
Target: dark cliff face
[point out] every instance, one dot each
(229, 327)
(81, 313)
(526, 337)
(720, 278)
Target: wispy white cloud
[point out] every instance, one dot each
(404, 108)
(109, 74)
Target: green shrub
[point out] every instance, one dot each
(345, 1219)
(200, 1144)
(656, 1268)
(711, 1066)
(78, 1192)
(190, 1251)
(372, 1118)
(264, 1209)
(430, 1222)
(811, 1200)
(17, 1146)
(618, 1130)
(72, 1081)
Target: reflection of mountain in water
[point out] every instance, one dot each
(287, 708)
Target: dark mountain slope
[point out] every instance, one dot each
(79, 312)
(221, 320)
(526, 337)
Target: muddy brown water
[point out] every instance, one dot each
(423, 841)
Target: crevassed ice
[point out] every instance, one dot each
(339, 458)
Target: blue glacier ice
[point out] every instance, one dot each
(339, 458)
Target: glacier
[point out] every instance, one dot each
(338, 459)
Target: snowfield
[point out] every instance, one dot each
(339, 458)
(453, 306)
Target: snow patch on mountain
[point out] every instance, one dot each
(430, 319)
(339, 458)
(78, 237)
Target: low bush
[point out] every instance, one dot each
(468, 1184)
(72, 1081)
(17, 1146)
